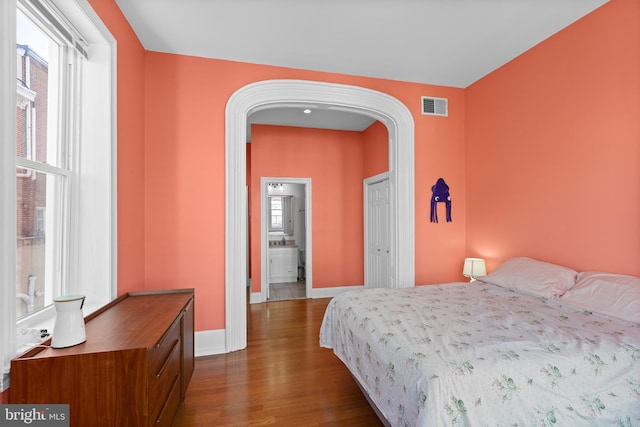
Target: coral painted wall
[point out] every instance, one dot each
(553, 149)
(184, 172)
(334, 162)
(375, 150)
(131, 154)
(184, 181)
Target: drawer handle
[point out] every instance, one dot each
(166, 402)
(166, 334)
(166, 362)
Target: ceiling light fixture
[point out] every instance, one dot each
(307, 111)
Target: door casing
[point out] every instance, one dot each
(264, 233)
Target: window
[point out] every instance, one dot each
(45, 112)
(281, 215)
(58, 227)
(40, 219)
(276, 213)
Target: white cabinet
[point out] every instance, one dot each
(283, 264)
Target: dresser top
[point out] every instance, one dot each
(136, 320)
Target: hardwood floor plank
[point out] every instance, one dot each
(283, 378)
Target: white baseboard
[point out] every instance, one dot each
(332, 292)
(210, 342)
(255, 298)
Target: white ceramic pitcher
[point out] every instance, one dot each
(68, 329)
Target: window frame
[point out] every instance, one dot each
(272, 210)
(287, 210)
(92, 257)
(64, 69)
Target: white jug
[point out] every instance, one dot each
(68, 329)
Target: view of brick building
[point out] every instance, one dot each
(31, 143)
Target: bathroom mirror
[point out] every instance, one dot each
(281, 213)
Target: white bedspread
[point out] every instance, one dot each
(481, 355)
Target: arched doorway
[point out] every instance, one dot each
(277, 93)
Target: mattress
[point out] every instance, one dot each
(477, 354)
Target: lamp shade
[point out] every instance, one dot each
(474, 267)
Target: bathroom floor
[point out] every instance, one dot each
(285, 291)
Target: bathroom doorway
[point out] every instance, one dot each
(285, 253)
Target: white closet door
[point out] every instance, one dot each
(378, 223)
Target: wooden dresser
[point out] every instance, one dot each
(133, 370)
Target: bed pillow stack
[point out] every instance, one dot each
(606, 293)
(533, 276)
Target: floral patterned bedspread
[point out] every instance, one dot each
(480, 355)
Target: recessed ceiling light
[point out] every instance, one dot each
(307, 111)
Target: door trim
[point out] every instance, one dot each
(273, 93)
(264, 233)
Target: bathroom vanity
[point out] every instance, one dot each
(283, 264)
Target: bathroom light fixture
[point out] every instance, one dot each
(276, 186)
(474, 268)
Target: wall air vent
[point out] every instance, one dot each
(435, 106)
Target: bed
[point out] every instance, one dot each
(532, 344)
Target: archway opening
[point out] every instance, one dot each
(278, 93)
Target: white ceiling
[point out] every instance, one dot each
(318, 118)
(439, 42)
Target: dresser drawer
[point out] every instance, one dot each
(170, 406)
(161, 382)
(159, 353)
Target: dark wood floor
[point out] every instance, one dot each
(283, 378)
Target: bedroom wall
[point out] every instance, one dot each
(375, 150)
(332, 166)
(334, 162)
(131, 153)
(184, 172)
(553, 152)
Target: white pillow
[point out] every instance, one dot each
(533, 276)
(611, 294)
